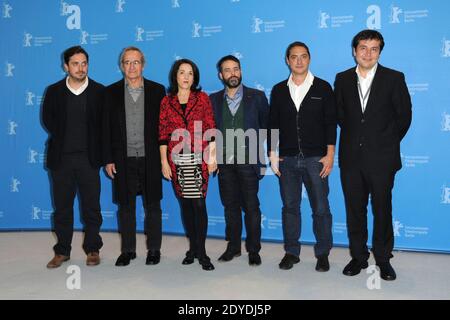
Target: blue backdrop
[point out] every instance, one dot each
(417, 33)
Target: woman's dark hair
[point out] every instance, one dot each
(173, 84)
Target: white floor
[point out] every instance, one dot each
(24, 255)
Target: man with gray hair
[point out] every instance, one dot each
(132, 153)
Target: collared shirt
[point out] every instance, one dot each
(235, 102)
(80, 90)
(298, 93)
(364, 85)
(135, 92)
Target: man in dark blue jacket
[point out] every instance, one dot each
(242, 118)
(302, 109)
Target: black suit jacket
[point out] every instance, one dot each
(256, 116)
(54, 118)
(115, 139)
(371, 140)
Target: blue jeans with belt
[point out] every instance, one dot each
(295, 171)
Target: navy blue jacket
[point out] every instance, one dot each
(256, 116)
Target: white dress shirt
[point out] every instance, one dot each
(364, 85)
(298, 93)
(80, 90)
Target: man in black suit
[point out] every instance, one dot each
(302, 108)
(240, 110)
(72, 113)
(374, 113)
(132, 154)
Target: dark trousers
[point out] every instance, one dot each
(127, 212)
(238, 186)
(76, 174)
(357, 184)
(295, 171)
(195, 220)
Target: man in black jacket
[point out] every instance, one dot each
(374, 113)
(132, 153)
(72, 113)
(302, 109)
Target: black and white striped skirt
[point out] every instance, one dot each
(189, 174)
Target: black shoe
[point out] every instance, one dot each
(254, 259)
(189, 258)
(387, 272)
(153, 257)
(288, 261)
(354, 267)
(124, 258)
(322, 264)
(206, 264)
(228, 255)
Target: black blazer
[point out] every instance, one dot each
(115, 139)
(256, 116)
(54, 118)
(372, 140)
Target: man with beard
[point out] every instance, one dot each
(240, 109)
(72, 114)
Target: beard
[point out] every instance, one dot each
(233, 82)
(79, 77)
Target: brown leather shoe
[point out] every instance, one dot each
(57, 261)
(93, 259)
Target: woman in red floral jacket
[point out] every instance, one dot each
(186, 137)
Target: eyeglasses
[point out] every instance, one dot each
(135, 63)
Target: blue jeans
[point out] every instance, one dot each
(295, 171)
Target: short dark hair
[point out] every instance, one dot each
(296, 44)
(173, 84)
(68, 53)
(368, 35)
(227, 58)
